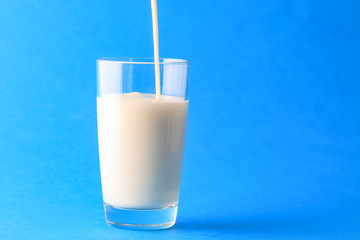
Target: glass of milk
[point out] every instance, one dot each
(141, 129)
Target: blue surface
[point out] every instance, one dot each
(273, 143)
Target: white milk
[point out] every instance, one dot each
(141, 145)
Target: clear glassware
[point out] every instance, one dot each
(141, 139)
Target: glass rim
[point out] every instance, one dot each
(142, 60)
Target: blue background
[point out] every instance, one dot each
(273, 141)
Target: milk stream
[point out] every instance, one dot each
(156, 47)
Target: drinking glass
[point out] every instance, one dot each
(141, 139)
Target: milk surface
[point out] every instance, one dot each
(141, 146)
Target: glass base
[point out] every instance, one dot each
(141, 219)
